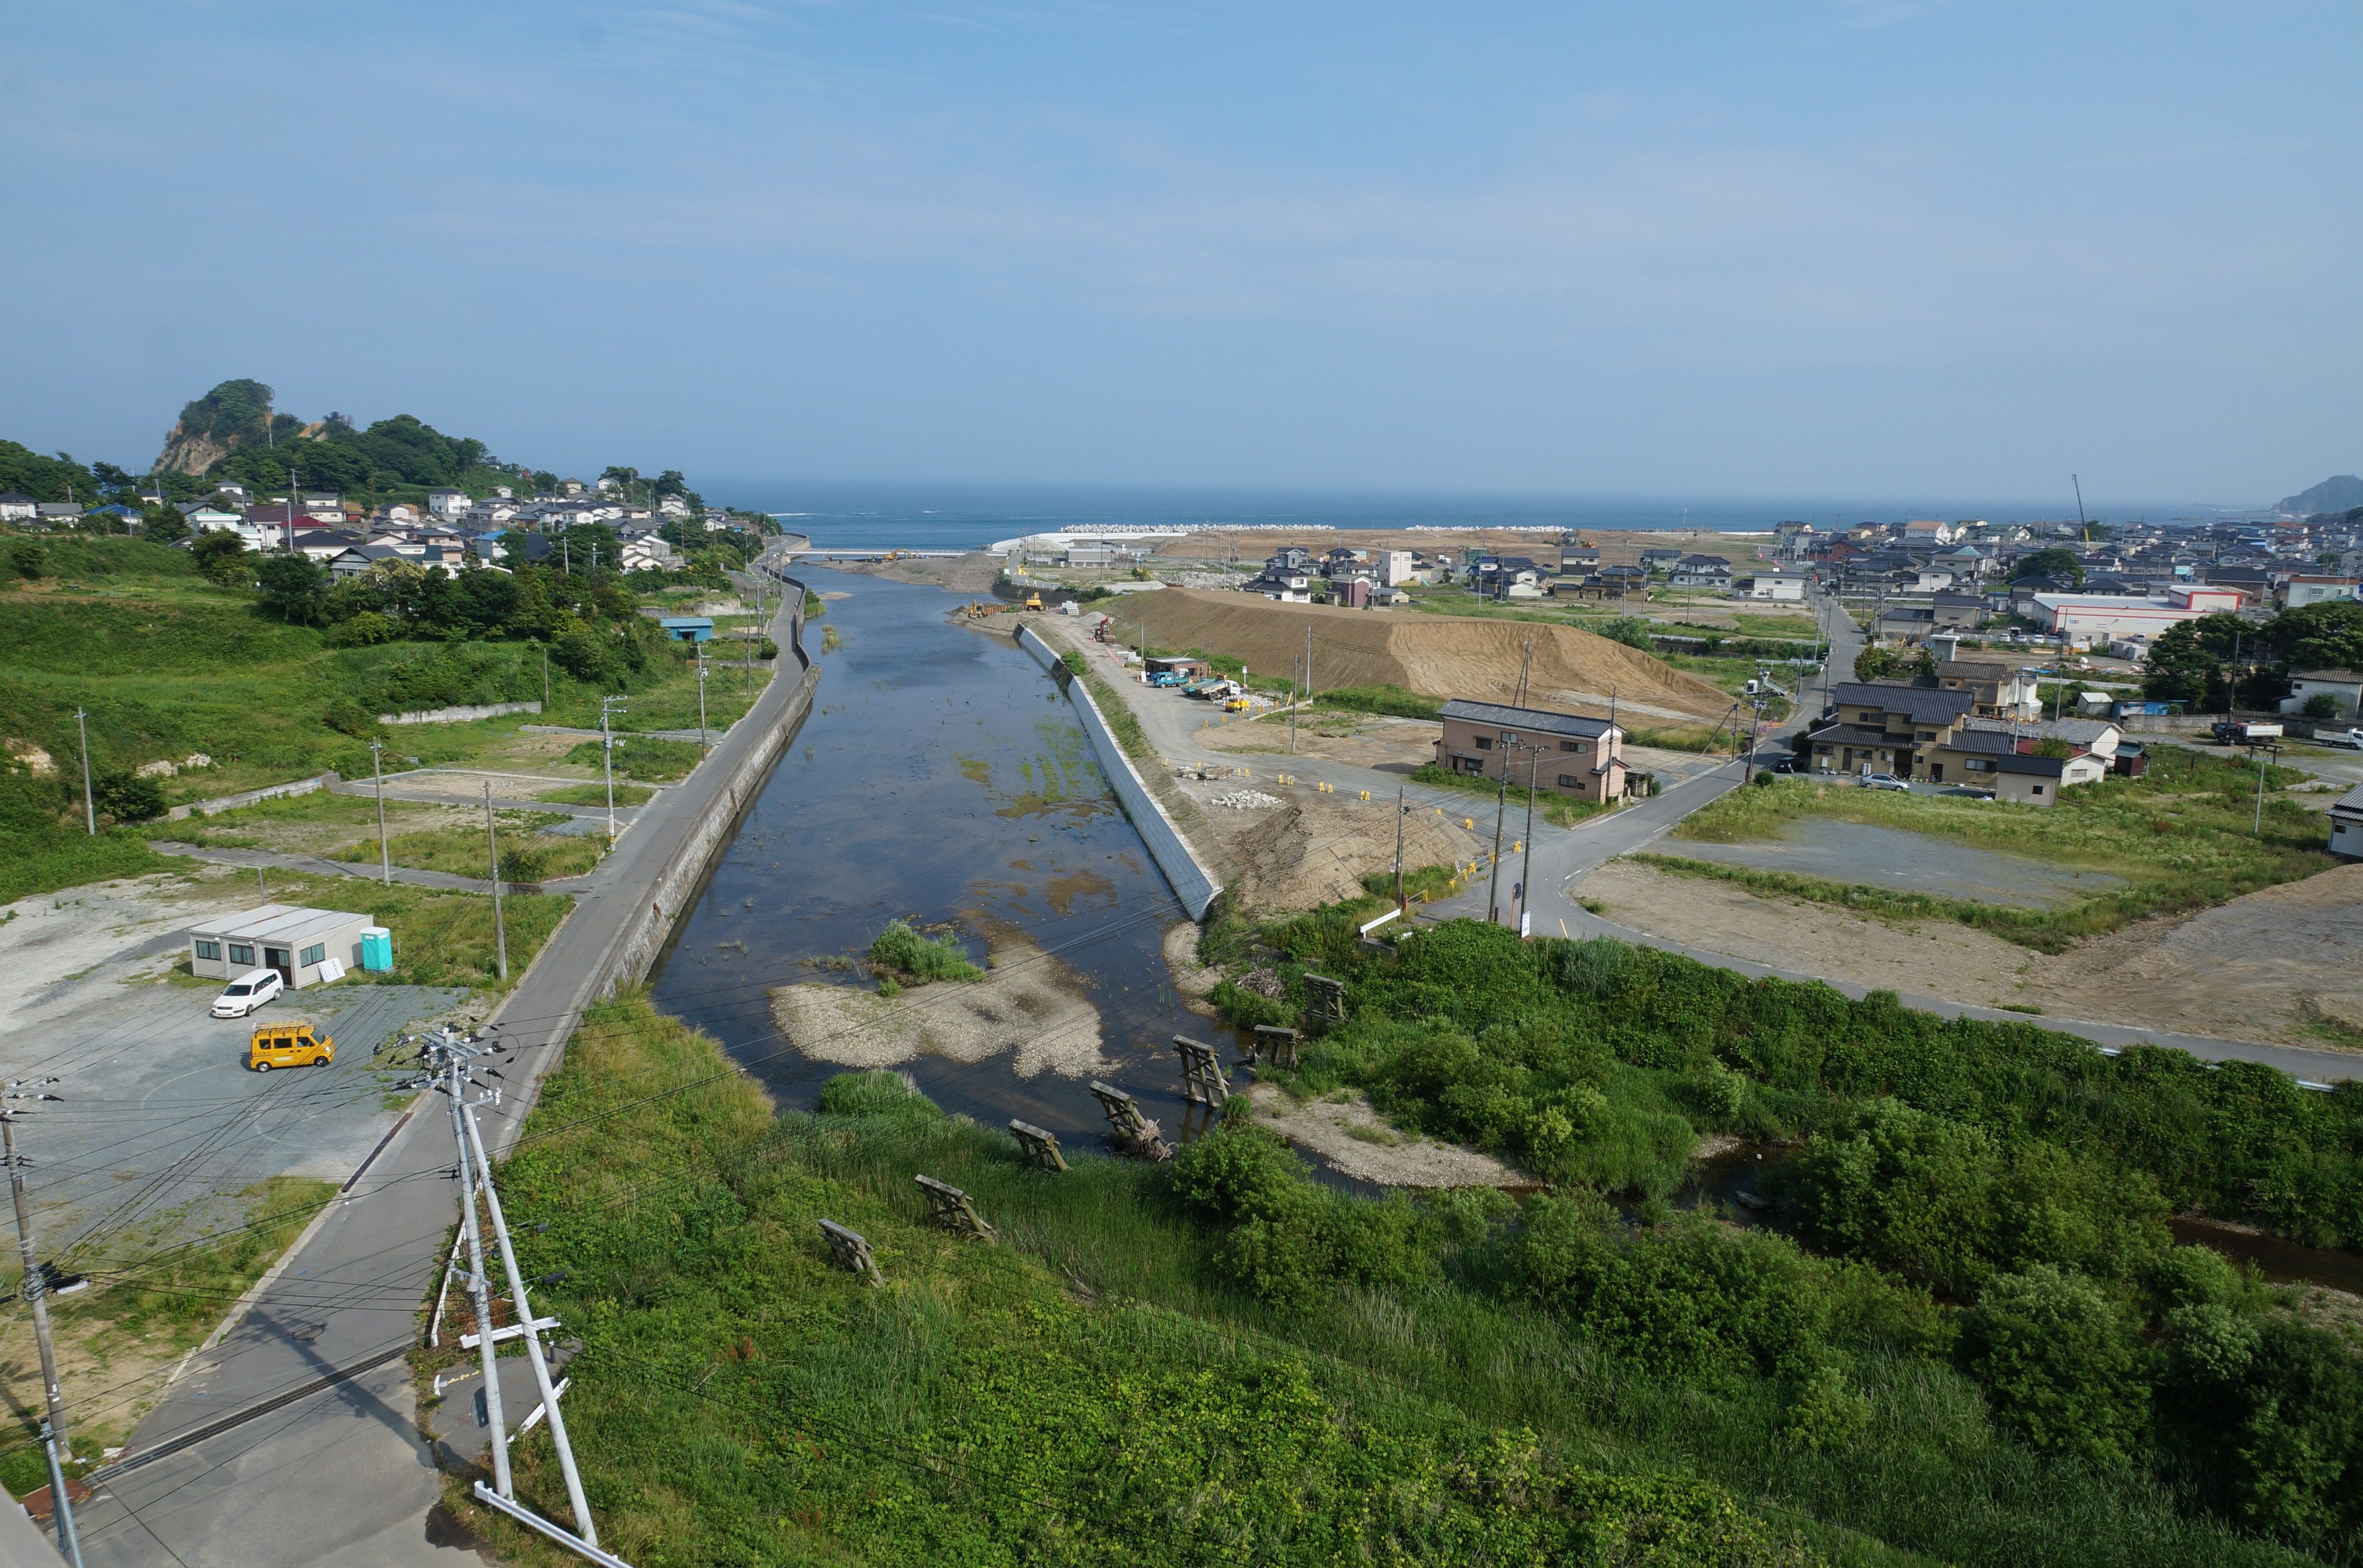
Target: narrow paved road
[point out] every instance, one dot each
(340, 1477)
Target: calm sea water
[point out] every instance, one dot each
(846, 515)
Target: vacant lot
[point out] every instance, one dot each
(2180, 839)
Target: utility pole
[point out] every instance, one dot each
(493, 852)
(384, 853)
(454, 1055)
(1500, 808)
(2257, 829)
(701, 699)
(36, 1286)
(89, 805)
(1526, 870)
(545, 678)
(1401, 906)
(607, 739)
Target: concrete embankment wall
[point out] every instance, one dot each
(1192, 882)
(743, 761)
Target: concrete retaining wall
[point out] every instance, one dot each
(459, 716)
(744, 759)
(248, 797)
(1192, 882)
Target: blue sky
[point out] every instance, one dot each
(1878, 248)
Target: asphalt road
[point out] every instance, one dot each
(342, 1478)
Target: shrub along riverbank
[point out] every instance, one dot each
(1220, 1359)
(1983, 1201)
(1086, 1391)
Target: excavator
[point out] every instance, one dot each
(1033, 601)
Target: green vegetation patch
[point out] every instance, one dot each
(2180, 837)
(1559, 810)
(528, 854)
(644, 758)
(1967, 1198)
(915, 959)
(986, 1405)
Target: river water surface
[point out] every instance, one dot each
(943, 779)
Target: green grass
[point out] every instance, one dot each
(439, 938)
(642, 756)
(166, 664)
(2179, 837)
(1776, 625)
(1092, 1389)
(596, 794)
(528, 854)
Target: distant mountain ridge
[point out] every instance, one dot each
(2336, 493)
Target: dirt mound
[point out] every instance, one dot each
(1443, 656)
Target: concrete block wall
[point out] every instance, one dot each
(1192, 882)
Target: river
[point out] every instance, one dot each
(943, 779)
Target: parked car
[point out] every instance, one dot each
(1884, 782)
(294, 1043)
(246, 993)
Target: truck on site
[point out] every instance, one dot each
(2241, 732)
(2351, 739)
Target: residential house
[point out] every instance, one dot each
(2342, 685)
(1578, 558)
(57, 514)
(1398, 566)
(2302, 589)
(15, 506)
(2026, 780)
(203, 515)
(355, 561)
(1702, 571)
(2346, 824)
(1660, 560)
(1884, 726)
(1563, 752)
(1958, 611)
(325, 544)
(649, 552)
(1928, 531)
(2098, 736)
(1786, 586)
(1997, 690)
(1904, 623)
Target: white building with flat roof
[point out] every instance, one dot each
(306, 946)
(2088, 618)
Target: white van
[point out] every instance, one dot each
(246, 993)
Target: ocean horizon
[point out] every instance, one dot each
(846, 514)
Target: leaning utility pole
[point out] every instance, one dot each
(453, 1056)
(493, 852)
(36, 1286)
(89, 806)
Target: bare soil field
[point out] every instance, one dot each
(2280, 965)
(1444, 656)
(1314, 848)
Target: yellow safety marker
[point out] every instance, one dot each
(1563, 929)
(1469, 822)
(1366, 794)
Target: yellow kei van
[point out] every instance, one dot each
(292, 1044)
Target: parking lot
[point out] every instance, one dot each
(160, 1124)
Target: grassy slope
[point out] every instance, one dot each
(2181, 838)
(167, 664)
(1070, 1396)
(1088, 1391)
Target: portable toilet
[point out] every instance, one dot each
(377, 949)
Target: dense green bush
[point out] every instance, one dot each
(2060, 1364)
(914, 959)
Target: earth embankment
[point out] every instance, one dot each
(1441, 656)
